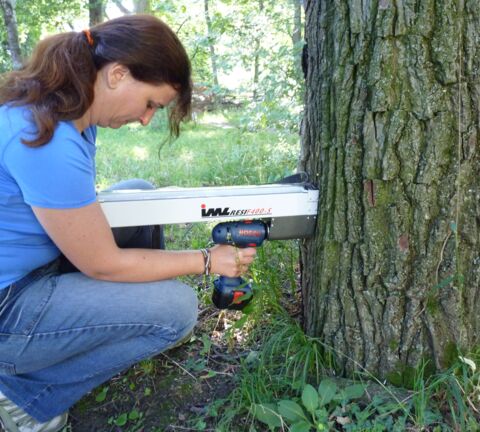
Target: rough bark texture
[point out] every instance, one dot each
(390, 136)
(8, 12)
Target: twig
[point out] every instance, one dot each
(179, 366)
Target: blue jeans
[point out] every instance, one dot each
(63, 334)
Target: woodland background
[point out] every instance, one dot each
(378, 102)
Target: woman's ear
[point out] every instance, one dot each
(115, 74)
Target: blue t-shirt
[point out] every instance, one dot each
(59, 174)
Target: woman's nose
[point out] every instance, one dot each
(146, 117)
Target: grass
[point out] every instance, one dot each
(204, 154)
(285, 370)
(277, 388)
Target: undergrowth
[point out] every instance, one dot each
(289, 384)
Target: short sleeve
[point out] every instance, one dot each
(59, 174)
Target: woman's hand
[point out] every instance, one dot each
(231, 261)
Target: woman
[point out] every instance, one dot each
(62, 334)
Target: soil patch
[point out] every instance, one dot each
(171, 392)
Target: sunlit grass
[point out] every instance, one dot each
(205, 154)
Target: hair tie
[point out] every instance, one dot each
(89, 37)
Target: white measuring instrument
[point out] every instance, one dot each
(290, 209)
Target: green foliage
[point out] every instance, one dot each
(36, 19)
(101, 396)
(133, 418)
(287, 359)
(243, 34)
(329, 407)
(314, 409)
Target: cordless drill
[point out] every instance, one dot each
(235, 293)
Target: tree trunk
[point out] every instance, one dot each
(142, 6)
(390, 136)
(8, 12)
(297, 21)
(96, 10)
(211, 44)
(297, 37)
(256, 60)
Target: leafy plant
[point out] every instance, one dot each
(135, 417)
(315, 409)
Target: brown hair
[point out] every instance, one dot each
(57, 82)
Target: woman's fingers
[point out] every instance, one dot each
(231, 261)
(246, 255)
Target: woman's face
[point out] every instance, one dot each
(121, 99)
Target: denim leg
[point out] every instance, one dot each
(63, 335)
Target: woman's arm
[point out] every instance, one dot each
(85, 238)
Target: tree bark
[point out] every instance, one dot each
(211, 44)
(9, 18)
(390, 136)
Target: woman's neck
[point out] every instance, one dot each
(83, 122)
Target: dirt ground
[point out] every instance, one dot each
(172, 392)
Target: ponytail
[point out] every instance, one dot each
(57, 83)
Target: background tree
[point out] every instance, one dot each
(142, 6)
(211, 43)
(257, 53)
(390, 136)
(96, 10)
(297, 36)
(10, 20)
(121, 7)
(35, 19)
